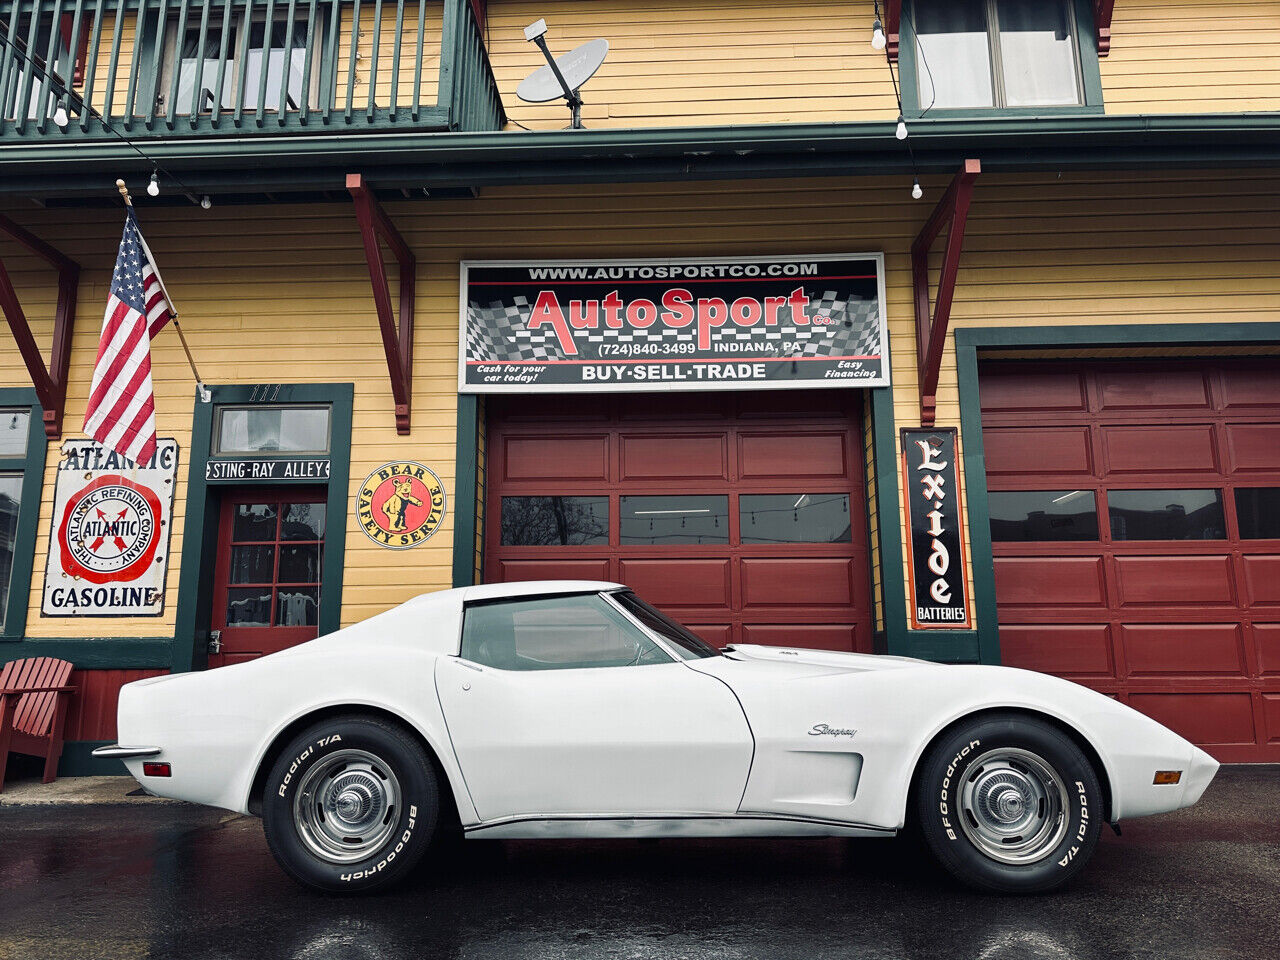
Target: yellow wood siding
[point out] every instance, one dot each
(719, 61)
(1191, 56)
(275, 293)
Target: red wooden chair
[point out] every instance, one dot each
(34, 695)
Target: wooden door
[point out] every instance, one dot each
(266, 593)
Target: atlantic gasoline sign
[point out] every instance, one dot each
(109, 543)
(938, 579)
(673, 324)
(400, 505)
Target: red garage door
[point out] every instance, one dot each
(742, 515)
(1135, 514)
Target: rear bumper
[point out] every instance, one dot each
(116, 752)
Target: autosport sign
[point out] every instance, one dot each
(109, 543)
(673, 324)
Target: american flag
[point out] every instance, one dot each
(121, 414)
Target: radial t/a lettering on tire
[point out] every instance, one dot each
(350, 805)
(1009, 803)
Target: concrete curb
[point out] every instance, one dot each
(75, 791)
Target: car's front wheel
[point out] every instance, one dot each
(350, 805)
(1009, 803)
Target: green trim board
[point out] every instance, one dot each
(97, 653)
(465, 508)
(1086, 42)
(945, 646)
(971, 340)
(391, 161)
(13, 619)
(195, 582)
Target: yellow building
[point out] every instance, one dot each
(704, 345)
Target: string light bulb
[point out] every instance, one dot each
(916, 192)
(901, 131)
(205, 202)
(878, 40)
(153, 188)
(60, 116)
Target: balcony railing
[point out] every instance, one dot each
(98, 69)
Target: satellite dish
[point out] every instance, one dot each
(562, 76)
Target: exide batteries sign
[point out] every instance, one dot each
(673, 324)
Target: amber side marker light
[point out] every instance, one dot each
(1162, 776)
(162, 770)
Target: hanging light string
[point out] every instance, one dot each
(878, 42)
(59, 89)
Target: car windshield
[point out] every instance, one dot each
(686, 643)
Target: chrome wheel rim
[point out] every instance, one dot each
(1013, 805)
(347, 806)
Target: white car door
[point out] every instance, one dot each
(562, 706)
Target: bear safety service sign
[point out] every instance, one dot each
(109, 543)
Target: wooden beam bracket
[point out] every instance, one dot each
(375, 225)
(1102, 10)
(931, 331)
(50, 382)
(892, 28)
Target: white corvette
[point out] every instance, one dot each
(575, 709)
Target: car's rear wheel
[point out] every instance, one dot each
(1009, 803)
(350, 805)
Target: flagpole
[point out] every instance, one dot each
(205, 395)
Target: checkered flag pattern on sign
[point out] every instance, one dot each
(499, 331)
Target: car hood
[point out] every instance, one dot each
(795, 661)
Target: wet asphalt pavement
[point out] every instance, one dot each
(180, 881)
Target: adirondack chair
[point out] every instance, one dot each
(34, 695)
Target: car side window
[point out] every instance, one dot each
(555, 633)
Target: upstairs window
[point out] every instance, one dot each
(975, 54)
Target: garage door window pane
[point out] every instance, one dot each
(794, 518)
(555, 521)
(660, 521)
(1258, 509)
(1023, 516)
(1166, 515)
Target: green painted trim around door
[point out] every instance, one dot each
(971, 340)
(884, 449)
(1090, 77)
(31, 466)
(195, 582)
(465, 508)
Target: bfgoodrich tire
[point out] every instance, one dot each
(1009, 804)
(350, 806)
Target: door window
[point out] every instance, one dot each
(1258, 509)
(273, 572)
(555, 633)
